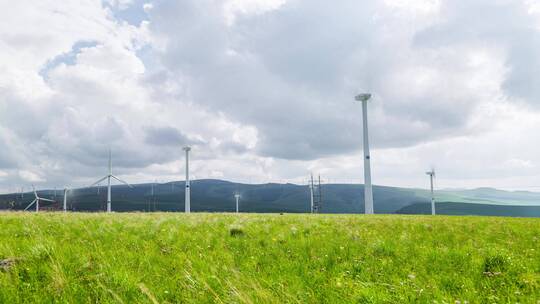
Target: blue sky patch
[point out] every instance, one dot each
(67, 58)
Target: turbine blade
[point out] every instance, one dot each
(121, 181)
(33, 202)
(47, 200)
(99, 181)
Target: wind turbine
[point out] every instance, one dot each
(188, 192)
(66, 190)
(368, 190)
(108, 178)
(37, 200)
(311, 194)
(431, 178)
(153, 200)
(237, 197)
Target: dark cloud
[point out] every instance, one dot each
(166, 136)
(524, 67)
(507, 26)
(293, 73)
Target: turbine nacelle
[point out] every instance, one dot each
(363, 97)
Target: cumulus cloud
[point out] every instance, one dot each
(166, 136)
(264, 89)
(292, 71)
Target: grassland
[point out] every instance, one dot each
(228, 258)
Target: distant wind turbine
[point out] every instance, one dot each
(66, 190)
(237, 197)
(37, 200)
(108, 178)
(188, 190)
(431, 177)
(311, 194)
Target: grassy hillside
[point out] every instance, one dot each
(229, 258)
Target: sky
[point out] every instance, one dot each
(263, 91)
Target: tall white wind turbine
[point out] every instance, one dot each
(37, 200)
(368, 190)
(108, 178)
(188, 190)
(431, 178)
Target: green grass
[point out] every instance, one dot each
(228, 258)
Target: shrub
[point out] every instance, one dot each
(236, 231)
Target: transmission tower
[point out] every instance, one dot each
(315, 190)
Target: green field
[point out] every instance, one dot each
(229, 258)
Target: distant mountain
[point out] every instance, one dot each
(217, 196)
(490, 196)
(450, 208)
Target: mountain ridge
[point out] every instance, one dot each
(215, 195)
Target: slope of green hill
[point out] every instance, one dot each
(229, 258)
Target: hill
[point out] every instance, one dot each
(246, 258)
(217, 196)
(450, 208)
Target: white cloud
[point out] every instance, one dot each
(29, 176)
(415, 6)
(263, 90)
(147, 7)
(233, 8)
(119, 4)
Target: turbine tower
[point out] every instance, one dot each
(66, 190)
(431, 178)
(188, 192)
(37, 200)
(108, 178)
(311, 194)
(368, 190)
(237, 197)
